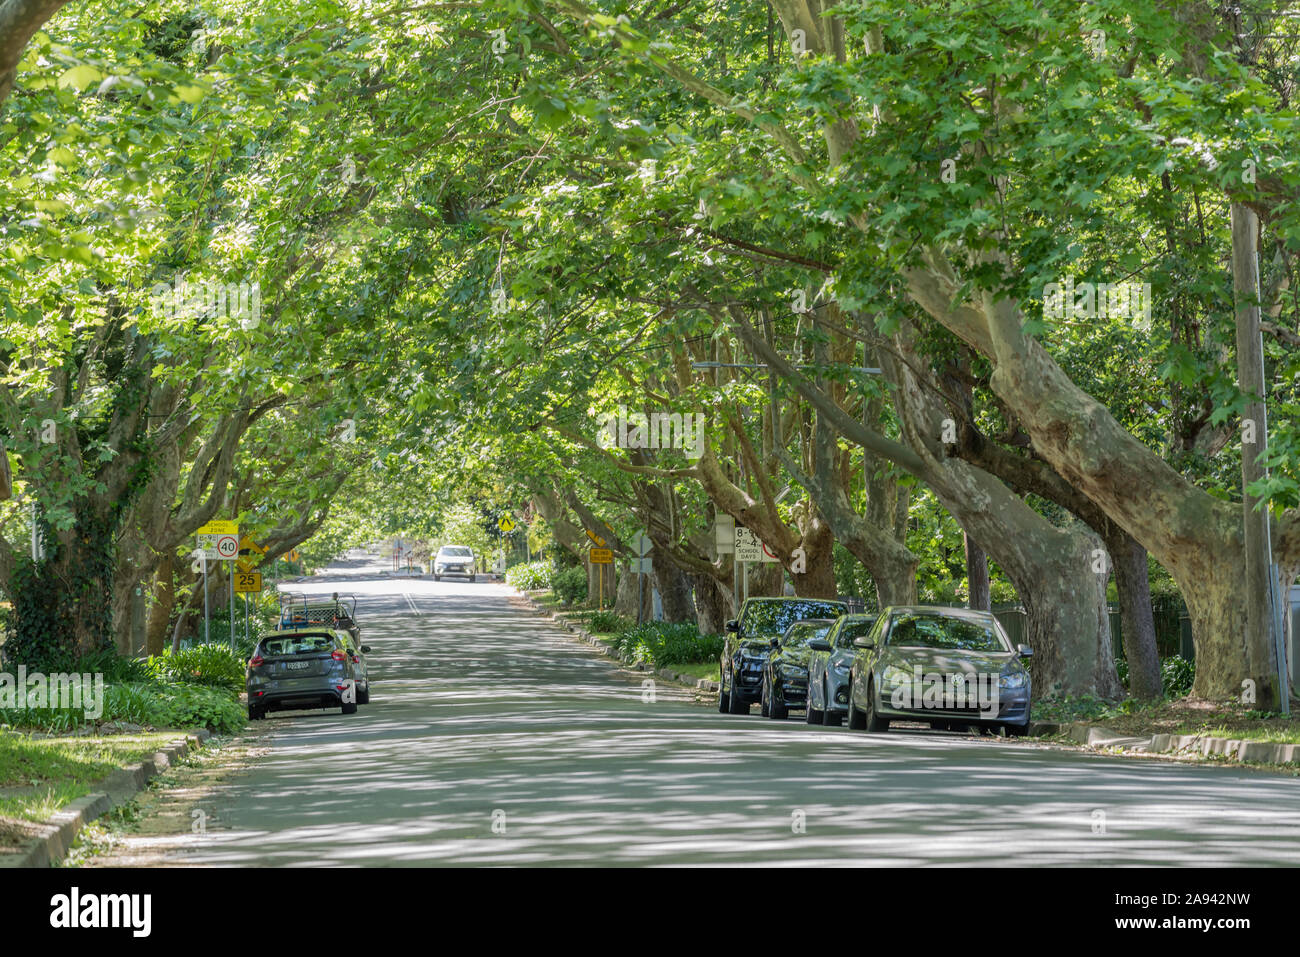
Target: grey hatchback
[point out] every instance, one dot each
(301, 669)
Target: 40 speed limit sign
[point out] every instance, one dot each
(228, 546)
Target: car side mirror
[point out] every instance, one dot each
(819, 644)
(733, 625)
(1024, 651)
(866, 644)
(365, 649)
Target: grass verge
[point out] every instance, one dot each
(38, 776)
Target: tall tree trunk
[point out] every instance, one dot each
(1257, 597)
(160, 609)
(674, 590)
(977, 575)
(713, 605)
(1137, 622)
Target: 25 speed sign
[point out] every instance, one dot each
(248, 582)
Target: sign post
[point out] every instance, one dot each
(600, 557)
(207, 615)
(641, 545)
(218, 540)
(724, 543)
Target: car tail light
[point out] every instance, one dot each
(256, 661)
(356, 659)
(338, 656)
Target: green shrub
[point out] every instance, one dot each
(1178, 674)
(606, 621)
(195, 706)
(146, 703)
(664, 643)
(570, 585)
(530, 576)
(212, 665)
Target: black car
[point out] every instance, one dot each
(785, 676)
(749, 640)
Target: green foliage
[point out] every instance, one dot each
(665, 643)
(211, 665)
(194, 706)
(146, 703)
(606, 621)
(529, 576)
(62, 609)
(570, 585)
(1178, 674)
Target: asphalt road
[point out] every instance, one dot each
(493, 738)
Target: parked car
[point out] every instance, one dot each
(951, 667)
(785, 674)
(749, 639)
(302, 669)
(455, 560)
(358, 653)
(829, 661)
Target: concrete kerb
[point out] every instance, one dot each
(702, 684)
(1253, 752)
(52, 838)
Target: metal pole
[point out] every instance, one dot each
(745, 566)
(245, 617)
(206, 613)
(232, 606)
(640, 590)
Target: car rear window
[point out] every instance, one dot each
(454, 552)
(298, 645)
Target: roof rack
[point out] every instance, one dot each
(305, 611)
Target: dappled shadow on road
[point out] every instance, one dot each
(495, 739)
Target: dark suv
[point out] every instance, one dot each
(749, 640)
(303, 668)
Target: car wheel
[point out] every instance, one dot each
(437, 578)
(857, 720)
(875, 723)
(473, 578)
(813, 716)
(764, 705)
(349, 707)
(830, 719)
(363, 697)
(724, 699)
(776, 706)
(255, 714)
(737, 704)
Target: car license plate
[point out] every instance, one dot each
(296, 665)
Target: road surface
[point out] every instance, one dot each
(495, 738)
